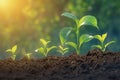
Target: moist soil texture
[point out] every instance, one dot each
(95, 65)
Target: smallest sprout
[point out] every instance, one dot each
(102, 46)
(45, 49)
(12, 51)
(28, 55)
(62, 50)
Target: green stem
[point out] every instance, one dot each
(103, 49)
(77, 34)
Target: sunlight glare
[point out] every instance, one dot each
(4, 4)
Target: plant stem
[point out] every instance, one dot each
(77, 34)
(102, 44)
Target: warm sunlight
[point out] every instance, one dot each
(4, 4)
(11, 7)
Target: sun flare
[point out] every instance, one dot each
(4, 4)
(11, 7)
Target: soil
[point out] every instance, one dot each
(95, 65)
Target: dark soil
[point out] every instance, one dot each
(93, 66)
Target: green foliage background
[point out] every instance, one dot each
(35, 19)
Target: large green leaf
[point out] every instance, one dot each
(85, 38)
(69, 15)
(72, 44)
(88, 20)
(64, 34)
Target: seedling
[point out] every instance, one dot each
(84, 38)
(62, 50)
(102, 46)
(12, 51)
(28, 55)
(45, 49)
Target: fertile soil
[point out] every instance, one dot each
(95, 65)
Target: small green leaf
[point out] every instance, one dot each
(65, 49)
(72, 44)
(103, 37)
(44, 43)
(62, 50)
(109, 43)
(50, 48)
(88, 20)
(69, 15)
(8, 50)
(98, 37)
(14, 48)
(97, 46)
(41, 50)
(85, 38)
(64, 34)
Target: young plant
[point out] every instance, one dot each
(62, 50)
(84, 38)
(12, 51)
(28, 55)
(45, 49)
(102, 46)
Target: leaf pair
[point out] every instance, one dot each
(83, 39)
(62, 50)
(86, 20)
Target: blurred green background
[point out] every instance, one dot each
(24, 22)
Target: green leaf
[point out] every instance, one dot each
(109, 43)
(44, 43)
(72, 44)
(88, 20)
(41, 50)
(62, 50)
(98, 37)
(69, 15)
(66, 50)
(8, 50)
(103, 37)
(85, 38)
(64, 34)
(50, 48)
(97, 46)
(14, 48)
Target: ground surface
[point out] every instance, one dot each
(93, 66)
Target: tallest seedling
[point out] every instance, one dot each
(87, 20)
